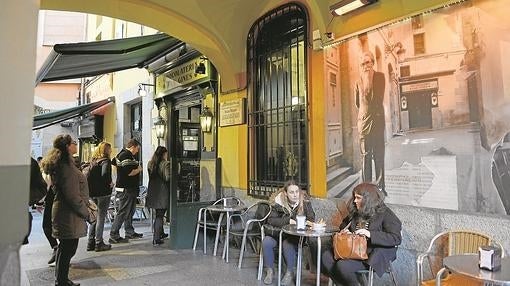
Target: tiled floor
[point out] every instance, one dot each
(139, 263)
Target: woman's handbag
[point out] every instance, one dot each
(92, 212)
(349, 246)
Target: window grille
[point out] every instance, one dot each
(277, 116)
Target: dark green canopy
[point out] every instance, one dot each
(67, 61)
(50, 118)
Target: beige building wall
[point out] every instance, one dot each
(124, 86)
(55, 27)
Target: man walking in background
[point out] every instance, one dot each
(369, 95)
(127, 188)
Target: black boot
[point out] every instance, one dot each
(54, 255)
(91, 245)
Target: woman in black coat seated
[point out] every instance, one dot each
(369, 216)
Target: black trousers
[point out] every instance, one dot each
(46, 221)
(343, 272)
(30, 217)
(158, 223)
(372, 149)
(66, 250)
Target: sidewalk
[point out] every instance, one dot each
(139, 263)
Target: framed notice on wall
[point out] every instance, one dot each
(232, 112)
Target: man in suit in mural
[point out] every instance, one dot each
(369, 95)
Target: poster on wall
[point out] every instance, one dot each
(428, 100)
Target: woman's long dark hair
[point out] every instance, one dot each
(372, 202)
(58, 157)
(156, 159)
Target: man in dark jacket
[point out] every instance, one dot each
(127, 188)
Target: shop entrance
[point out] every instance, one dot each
(420, 110)
(189, 191)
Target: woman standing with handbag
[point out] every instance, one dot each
(100, 190)
(286, 205)
(368, 216)
(158, 195)
(70, 206)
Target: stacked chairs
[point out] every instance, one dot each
(213, 221)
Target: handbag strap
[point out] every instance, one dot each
(347, 226)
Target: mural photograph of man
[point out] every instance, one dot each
(369, 95)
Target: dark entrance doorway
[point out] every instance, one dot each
(420, 109)
(191, 186)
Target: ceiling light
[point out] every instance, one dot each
(347, 6)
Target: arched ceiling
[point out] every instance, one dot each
(218, 29)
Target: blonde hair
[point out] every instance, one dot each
(101, 151)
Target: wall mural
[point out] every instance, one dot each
(425, 108)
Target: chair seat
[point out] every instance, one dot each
(454, 279)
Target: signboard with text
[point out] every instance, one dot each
(232, 112)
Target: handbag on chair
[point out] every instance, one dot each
(349, 246)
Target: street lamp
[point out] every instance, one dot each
(160, 128)
(206, 120)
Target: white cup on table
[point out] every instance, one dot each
(300, 221)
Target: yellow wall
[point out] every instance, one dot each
(317, 137)
(233, 150)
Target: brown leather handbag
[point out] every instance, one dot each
(349, 246)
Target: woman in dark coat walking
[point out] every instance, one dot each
(368, 216)
(70, 207)
(158, 195)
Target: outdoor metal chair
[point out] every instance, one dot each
(214, 221)
(452, 242)
(140, 203)
(248, 225)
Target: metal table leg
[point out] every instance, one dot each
(280, 258)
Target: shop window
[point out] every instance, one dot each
(419, 43)
(417, 22)
(278, 149)
(405, 71)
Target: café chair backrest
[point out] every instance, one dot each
(447, 243)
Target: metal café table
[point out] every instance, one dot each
(467, 265)
(291, 229)
(223, 209)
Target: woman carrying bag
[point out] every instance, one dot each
(71, 204)
(158, 191)
(368, 216)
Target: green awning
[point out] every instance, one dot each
(50, 118)
(68, 61)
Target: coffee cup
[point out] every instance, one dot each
(301, 221)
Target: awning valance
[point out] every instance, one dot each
(67, 61)
(50, 118)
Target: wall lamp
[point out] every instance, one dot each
(160, 127)
(141, 88)
(200, 68)
(206, 120)
(346, 6)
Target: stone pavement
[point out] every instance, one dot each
(139, 263)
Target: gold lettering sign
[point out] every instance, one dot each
(232, 112)
(182, 75)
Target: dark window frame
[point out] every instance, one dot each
(277, 107)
